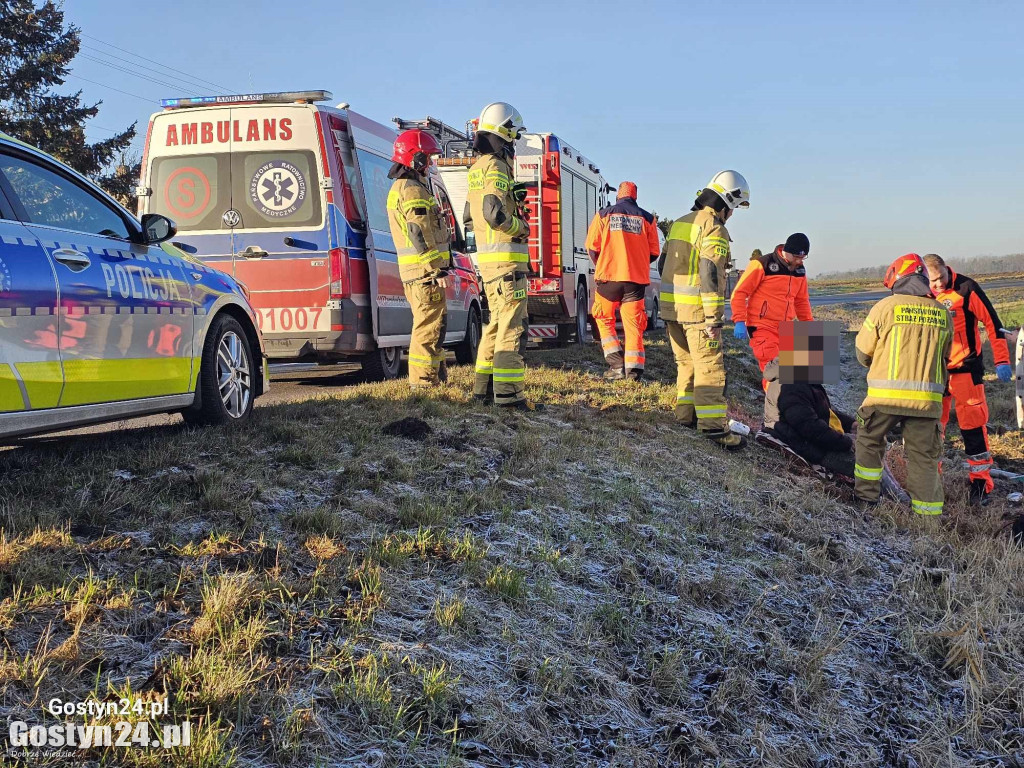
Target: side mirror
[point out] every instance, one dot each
(157, 228)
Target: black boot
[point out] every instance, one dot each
(977, 496)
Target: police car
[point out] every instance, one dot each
(101, 318)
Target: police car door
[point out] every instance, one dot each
(30, 369)
(125, 311)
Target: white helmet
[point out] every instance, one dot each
(501, 119)
(732, 188)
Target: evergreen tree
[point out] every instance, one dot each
(36, 50)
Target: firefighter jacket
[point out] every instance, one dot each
(968, 305)
(905, 343)
(694, 272)
(623, 241)
(491, 212)
(769, 292)
(420, 234)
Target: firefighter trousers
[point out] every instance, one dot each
(634, 323)
(764, 343)
(922, 442)
(429, 319)
(499, 359)
(700, 376)
(968, 391)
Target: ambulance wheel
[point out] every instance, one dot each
(226, 371)
(582, 310)
(653, 321)
(465, 353)
(382, 364)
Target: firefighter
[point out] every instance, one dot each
(502, 257)
(693, 305)
(968, 305)
(772, 290)
(622, 241)
(905, 343)
(421, 238)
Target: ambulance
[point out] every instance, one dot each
(563, 192)
(289, 196)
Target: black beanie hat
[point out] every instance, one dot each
(797, 244)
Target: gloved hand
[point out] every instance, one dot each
(1004, 372)
(740, 331)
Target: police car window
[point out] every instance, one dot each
(376, 186)
(276, 189)
(52, 200)
(193, 191)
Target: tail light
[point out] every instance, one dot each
(339, 289)
(545, 284)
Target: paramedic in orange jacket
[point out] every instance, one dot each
(622, 241)
(772, 290)
(969, 305)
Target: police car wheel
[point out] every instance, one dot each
(225, 376)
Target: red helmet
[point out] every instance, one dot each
(414, 148)
(904, 266)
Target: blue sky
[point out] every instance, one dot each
(876, 128)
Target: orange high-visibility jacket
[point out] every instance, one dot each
(769, 292)
(623, 241)
(968, 305)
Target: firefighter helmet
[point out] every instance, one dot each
(414, 148)
(502, 120)
(904, 266)
(732, 188)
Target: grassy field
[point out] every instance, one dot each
(833, 286)
(590, 585)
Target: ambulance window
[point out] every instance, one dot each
(52, 200)
(276, 189)
(376, 186)
(192, 190)
(348, 163)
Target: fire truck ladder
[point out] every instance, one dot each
(452, 140)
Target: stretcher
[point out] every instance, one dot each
(890, 486)
(1018, 361)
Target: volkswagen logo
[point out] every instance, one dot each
(231, 218)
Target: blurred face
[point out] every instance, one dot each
(937, 277)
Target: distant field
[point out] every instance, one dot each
(831, 287)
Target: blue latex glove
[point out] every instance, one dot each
(1004, 372)
(740, 332)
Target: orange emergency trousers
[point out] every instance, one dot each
(628, 299)
(968, 389)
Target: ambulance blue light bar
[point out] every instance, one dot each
(282, 97)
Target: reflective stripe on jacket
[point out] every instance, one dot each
(694, 275)
(905, 341)
(769, 292)
(501, 236)
(968, 305)
(623, 241)
(421, 236)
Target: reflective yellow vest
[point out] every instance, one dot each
(905, 341)
(693, 280)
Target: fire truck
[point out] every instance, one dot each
(563, 192)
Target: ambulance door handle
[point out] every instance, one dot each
(252, 252)
(76, 261)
